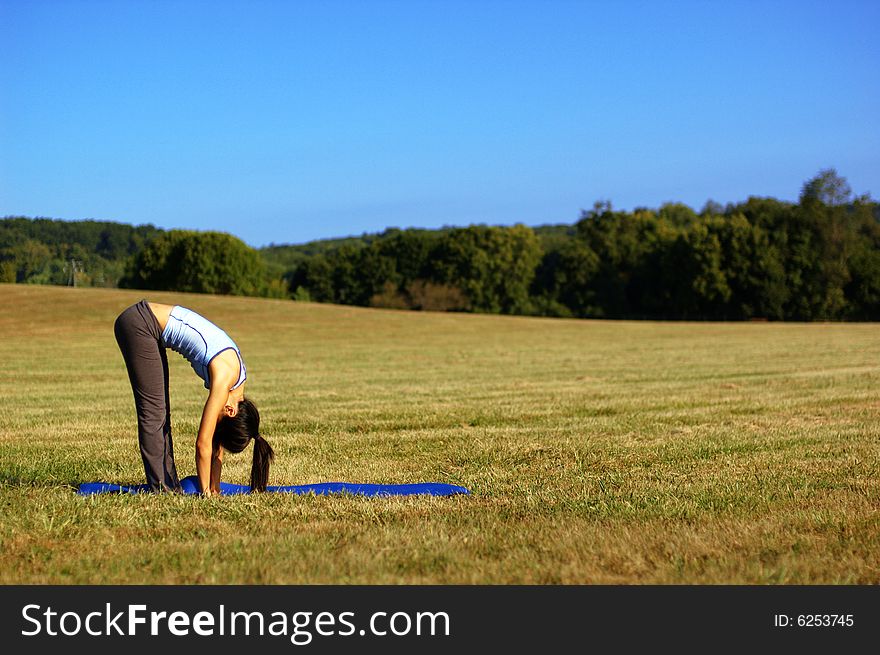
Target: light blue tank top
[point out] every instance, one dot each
(199, 341)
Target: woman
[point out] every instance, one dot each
(229, 420)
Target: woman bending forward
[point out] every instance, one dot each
(229, 420)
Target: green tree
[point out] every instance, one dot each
(694, 273)
(825, 215)
(312, 280)
(566, 277)
(347, 287)
(863, 288)
(493, 266)
(32, 260)
(678, 214)
(753, 270)
(631, 247)
(199, 262)
(827, 188)
(411, 251)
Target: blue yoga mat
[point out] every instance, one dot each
(191, 486)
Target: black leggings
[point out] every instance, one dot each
(140, 340)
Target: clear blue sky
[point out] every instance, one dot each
(291, 120)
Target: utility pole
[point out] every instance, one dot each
(75, 266)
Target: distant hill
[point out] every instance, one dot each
(52, 251)
(40, 250)
(816, 259)
(289, 256)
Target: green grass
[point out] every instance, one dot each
(597, 452)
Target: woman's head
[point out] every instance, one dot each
(234, 433)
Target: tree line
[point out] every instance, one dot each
(816, 259)
(85, 253)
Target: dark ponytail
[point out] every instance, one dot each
(263, 455)
(234, 433)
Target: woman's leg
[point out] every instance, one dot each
(140, 341)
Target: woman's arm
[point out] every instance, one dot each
(205, 439)
(223, 374)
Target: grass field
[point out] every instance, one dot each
(597, 452)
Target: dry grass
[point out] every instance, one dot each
(597, 452)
